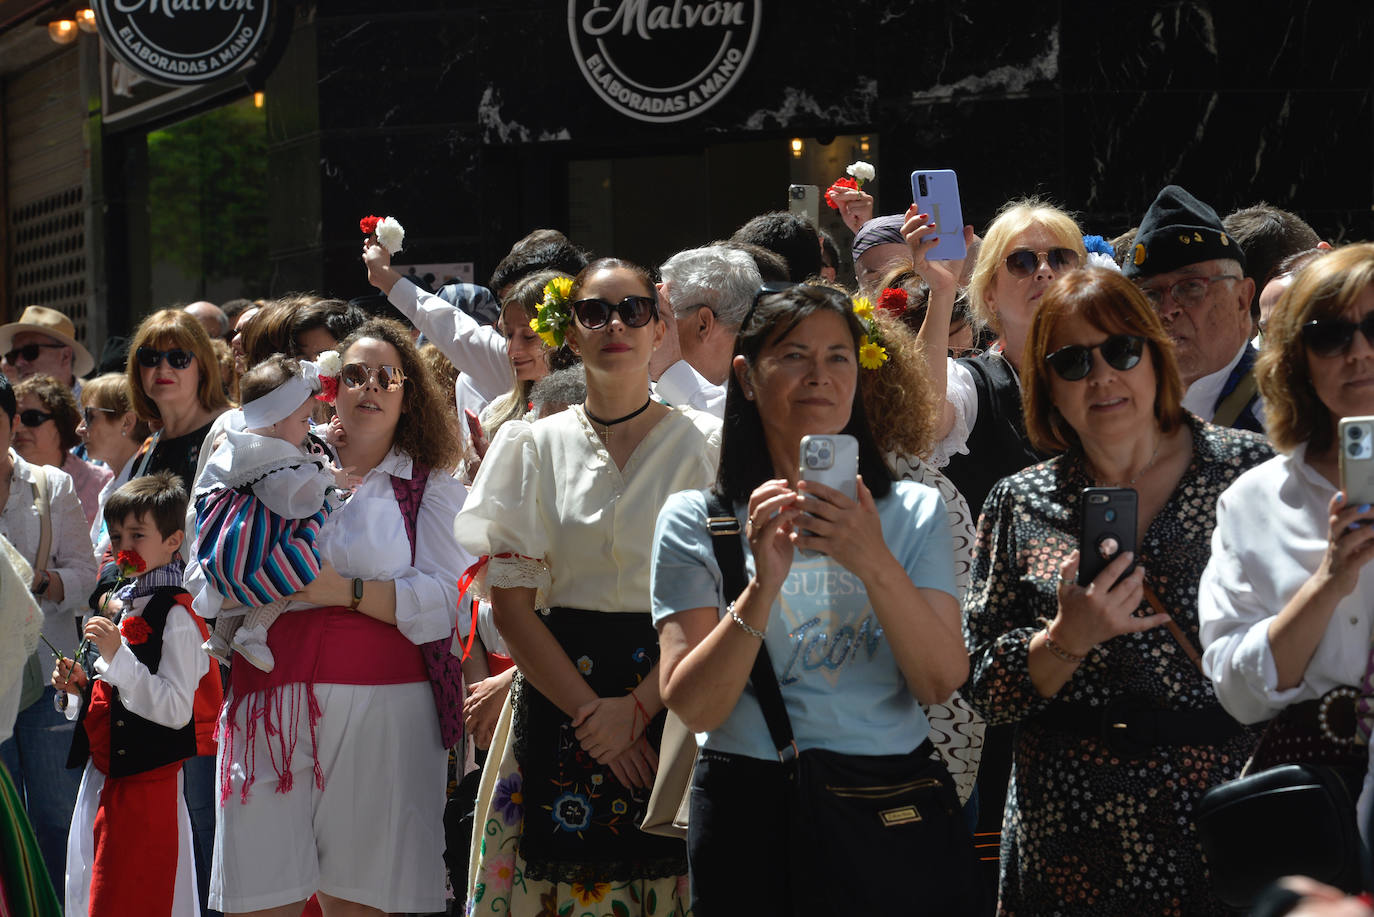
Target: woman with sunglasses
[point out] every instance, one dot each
(564, 509)
(113, 434)
(860, 631)
(1286, 601)
(333, 767)
(1117, 731)
(36, 755)
(47, 432)
(981, 435)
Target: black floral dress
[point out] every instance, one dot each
(1088, 830)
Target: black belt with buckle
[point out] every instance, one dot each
(1132, 726)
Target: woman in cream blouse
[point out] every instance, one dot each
(565, 510)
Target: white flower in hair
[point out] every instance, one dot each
(1098, 259)
(329, 363)
(861, 170)
(391, 234)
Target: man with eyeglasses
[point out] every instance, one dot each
(43, 341)
(1194, 273)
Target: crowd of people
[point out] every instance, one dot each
(430, 606)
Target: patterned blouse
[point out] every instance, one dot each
(1086, 830)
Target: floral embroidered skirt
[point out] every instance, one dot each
(555, 832)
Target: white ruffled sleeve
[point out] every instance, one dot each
(295, 491)
(501, 518)
(963, 396)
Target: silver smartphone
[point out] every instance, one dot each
(805, 200)
(936, 192)
(832, 461)
(1357, 459)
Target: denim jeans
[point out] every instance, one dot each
(199, 774)
(36, 757)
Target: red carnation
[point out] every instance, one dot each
(369, 225)
(130, 563)
(893, 300)
(135, 630)
(841, 184)
(329, 389)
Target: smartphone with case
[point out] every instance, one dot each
(936, 192)
(805, 200)
(832, 461)
(1357, 459)
(1109, 520)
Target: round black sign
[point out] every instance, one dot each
(663, 60)
(183, 41)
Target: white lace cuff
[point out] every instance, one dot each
(513, 572)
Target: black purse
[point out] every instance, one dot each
(892, 822)
(1294, 819)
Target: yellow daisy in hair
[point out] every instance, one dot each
(863, 308)
(548, 337)
(561, 287)
(871, 356)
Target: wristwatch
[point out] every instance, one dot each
(42, 587)
(357, 593)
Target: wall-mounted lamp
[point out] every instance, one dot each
(85, 20)
(259, 99)
(62, 31)
(797, 147)
(863, 144)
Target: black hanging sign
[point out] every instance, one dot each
(183, 42)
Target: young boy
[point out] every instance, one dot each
(149, 703)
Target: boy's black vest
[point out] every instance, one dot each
(138, 745)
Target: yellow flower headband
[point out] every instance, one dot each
(553, 317)
(872, 354)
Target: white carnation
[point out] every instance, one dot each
(329, 363)
(1099, 259)
(861, 170)
(391, 234)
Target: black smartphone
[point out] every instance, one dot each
(1109, 519)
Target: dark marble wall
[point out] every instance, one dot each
(460, 118)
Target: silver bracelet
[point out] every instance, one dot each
(744, 625)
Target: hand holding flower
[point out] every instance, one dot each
(69, 677)
(105, 635)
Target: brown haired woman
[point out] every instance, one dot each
(47, 432)
(1097, 814)
(1285, 602)
(113, 434)
(333, 767)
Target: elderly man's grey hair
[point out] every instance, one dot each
(722, 279)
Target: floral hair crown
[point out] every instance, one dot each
(872, 353)
(551, 321)
(860, 172)
(390, 234)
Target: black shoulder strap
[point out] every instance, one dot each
(723, 525)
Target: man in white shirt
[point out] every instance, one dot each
(704, 296)
(1195, 274)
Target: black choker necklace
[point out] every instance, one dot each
(610, 423)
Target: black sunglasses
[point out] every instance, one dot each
(34, 417)
(89, 411)
(634, 311)
(29, 352)
(1023, 261)
(151, 357)
(1121, 351)
(1329, 337)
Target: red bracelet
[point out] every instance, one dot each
(643, 712)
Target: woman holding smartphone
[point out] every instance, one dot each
(1118, 732)
(563, 508)
(859, 634)
(1286, 600)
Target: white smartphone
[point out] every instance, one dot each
(936, 192)
(832, 461)
(1357, 459)
(806, 200)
